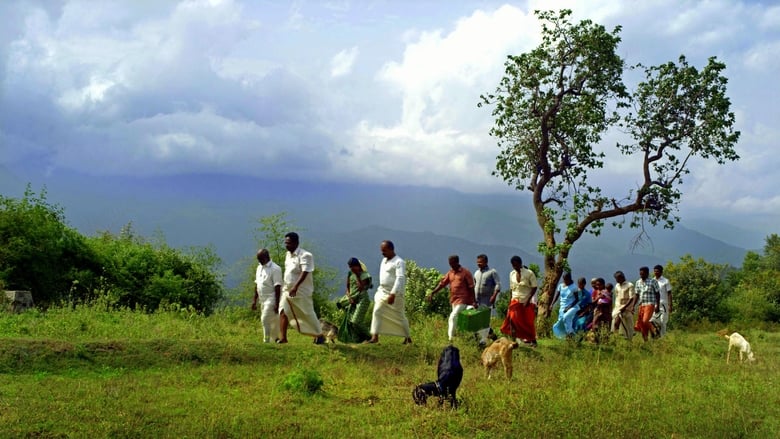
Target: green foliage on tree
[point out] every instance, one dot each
(555, 103)
(756, 288)
(419, 282)
(39, 252)
(269, 234)
(771, 257)
(699, 291)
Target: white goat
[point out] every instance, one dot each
(744, 347)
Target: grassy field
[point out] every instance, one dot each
(86, 373)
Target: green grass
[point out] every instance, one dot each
(85, 373)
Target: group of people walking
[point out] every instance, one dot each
(613, 306)
(286, 299)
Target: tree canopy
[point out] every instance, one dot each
(556, 103)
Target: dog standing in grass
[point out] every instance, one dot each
(329, 331)
(450, 374)
(738, 341)
(500, 349)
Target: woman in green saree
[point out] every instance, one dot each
(355, 303)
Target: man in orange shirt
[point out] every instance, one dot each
(461, 284)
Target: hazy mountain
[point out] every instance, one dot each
(729, 233)
(344, 220)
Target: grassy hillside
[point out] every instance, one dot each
(89, 373)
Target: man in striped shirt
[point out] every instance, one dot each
(649, 300)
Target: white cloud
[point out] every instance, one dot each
(441, 137)
(341, 64)
(155, 95)
(200, 86)
(92, 93)
(764, 57)
(770, 18)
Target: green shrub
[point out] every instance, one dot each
(39, 252)
(143, 275)
(303, 380)
(419, 282)
(502, 303)
(699, 290)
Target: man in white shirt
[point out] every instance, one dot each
(389, 316)
(268, 288)
(297, 304)
(665, 287)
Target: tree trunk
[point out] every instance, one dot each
(552, 275)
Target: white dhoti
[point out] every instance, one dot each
(453, 320)
(270, 318)
(623, 323)
(664, 317)
(389, 319)
(300, 313)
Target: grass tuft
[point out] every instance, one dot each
(304, 381)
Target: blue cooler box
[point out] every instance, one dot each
(472, 320)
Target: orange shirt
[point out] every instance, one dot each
(461, 284)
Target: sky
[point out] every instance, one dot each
(369, 91)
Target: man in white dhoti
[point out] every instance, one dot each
(297, 304)
(665, 289)
(389, 317)
(268, 289)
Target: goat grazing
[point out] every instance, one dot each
(738, 341)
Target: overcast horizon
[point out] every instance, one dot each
(368, 92)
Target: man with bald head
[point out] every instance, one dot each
(268, 288)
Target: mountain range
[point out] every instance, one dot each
(342, 220)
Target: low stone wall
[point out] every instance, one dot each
(19, 301)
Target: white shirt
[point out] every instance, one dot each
(392, 276)
(267, 277)
(296, 263)
(664, 287)
(523, 289)
(621, 295)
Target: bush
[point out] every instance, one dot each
(419, 282)
(502, 303)
(304, 381)
(698, 291)
(142, 275)
(756, 288)
(40, 253)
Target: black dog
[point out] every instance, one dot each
(449, 378)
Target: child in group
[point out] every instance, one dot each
(602, 294)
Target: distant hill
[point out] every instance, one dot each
(345, 220)
(735, 235)
(425, 248)
(593, 257)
